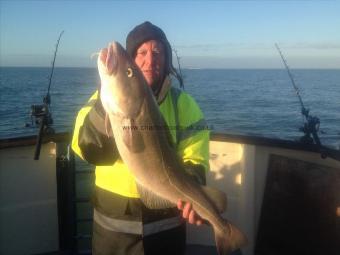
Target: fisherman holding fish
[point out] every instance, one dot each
(147, 179)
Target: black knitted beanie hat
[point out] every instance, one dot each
(146, 32)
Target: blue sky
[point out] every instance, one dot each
(206, 34)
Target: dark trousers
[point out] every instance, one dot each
(108, 242)
(169, 242)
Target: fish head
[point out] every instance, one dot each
(123, 86)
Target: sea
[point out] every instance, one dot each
(259, 102)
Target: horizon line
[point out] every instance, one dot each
(190, 68)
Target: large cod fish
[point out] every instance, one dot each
(130, 106)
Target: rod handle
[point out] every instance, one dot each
(39, 138)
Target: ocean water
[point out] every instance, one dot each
(253, 102)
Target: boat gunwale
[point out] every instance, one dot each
(32, 139)
(214, 136)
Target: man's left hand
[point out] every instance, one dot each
(188, 213)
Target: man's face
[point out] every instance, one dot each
(150, 58)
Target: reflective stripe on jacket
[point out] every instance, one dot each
(188, 132)
(136, 227)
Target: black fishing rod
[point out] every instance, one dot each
(311, 123)
(41, 113)
(179, 76)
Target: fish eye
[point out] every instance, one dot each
(129, 72)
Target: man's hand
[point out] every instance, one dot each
(188, 213)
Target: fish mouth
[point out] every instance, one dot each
(111, 60)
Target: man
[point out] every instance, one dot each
(122, 224)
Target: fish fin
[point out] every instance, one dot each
(132, 136)
(152, 200)
(229, 239)
(218, 198)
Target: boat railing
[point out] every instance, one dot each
(75, 180)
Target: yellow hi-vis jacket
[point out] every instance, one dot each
(192, 140)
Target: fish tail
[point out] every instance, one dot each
(229, 238)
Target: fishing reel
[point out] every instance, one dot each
(311, 129)
(41, 116)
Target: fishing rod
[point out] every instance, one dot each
(179, 64)
(41, 113)
(179, 76)
(311, 123)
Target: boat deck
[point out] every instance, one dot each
(191, 250)
(195, 249)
